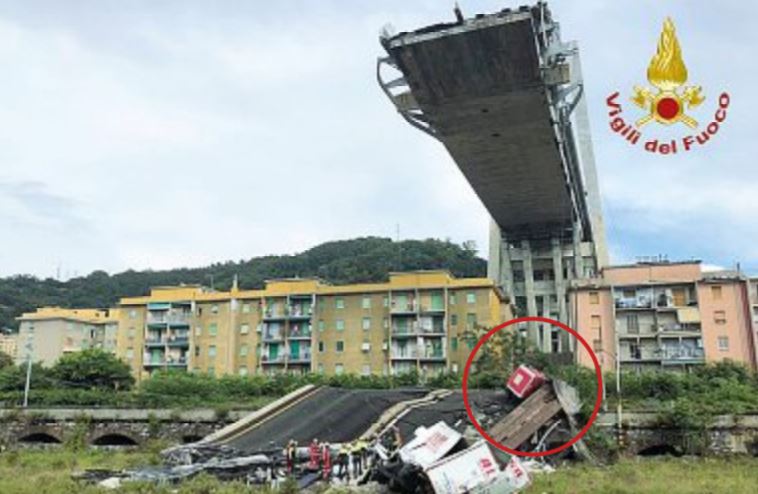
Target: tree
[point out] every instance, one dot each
(5, 360)
(93, 369)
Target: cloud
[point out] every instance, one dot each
(186, 132)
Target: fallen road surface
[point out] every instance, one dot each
(334, 415)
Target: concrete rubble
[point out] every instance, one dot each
(442, 455)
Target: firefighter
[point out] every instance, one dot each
(326, 460)
(315, 455)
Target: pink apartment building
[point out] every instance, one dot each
(670, 315)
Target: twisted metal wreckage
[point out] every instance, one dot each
(444, 454)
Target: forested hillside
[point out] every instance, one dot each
(346, 261)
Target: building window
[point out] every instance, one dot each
(470, 320)
(453, 319)
(130, 333)
(716, 292)
(386, 301)
(385, 323)
(366, 323)
(340, 346)
(597, 345)
(471, 298)
(197, 350)
(723, 342)
(212, 329)
(246, 308)
(339, 303)
(595, 322)
(244, 329)
(129, 354)
(132, 314)
(633, 323)
(339, 369)
(339, 324)
(452, 298)
(243, 350)
(366, 302)
(243, 371)
(594, 298)
(320, 368)
(198, 330)
(214, 309)
(454, 343)
(366, 370)
(321, 347)
(212, 351)
(719, 317)
(321, 325)
(211, 371)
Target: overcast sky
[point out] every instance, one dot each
(165, 134)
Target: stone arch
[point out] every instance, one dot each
(39, 437)
(659, 449)
(114, 439)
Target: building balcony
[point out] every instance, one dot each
(409, 332)
(182, 341)
(300, 335)
(683, 354)
(155, 342)
(640, 303)
(154, 363)
(303, 358)
(407, 354)
(269, 360)
(429, 309)
(272, 336)
(407, 309)
(274, 315)
(633, 336)
(176, 362)
(639, 359)
(434, 355)
(300, 311)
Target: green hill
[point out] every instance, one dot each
(345, 261)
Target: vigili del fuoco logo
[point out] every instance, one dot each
(667, 103)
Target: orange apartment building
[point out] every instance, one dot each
(669, 315)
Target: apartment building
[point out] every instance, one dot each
(51, 332)
(9, 344)
(425, 320)
(664, 315)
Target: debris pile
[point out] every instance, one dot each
(442, 453)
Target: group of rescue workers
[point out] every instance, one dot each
(352, 459)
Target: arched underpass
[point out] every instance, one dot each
(660, 450)
(114, 439)
(39, 438)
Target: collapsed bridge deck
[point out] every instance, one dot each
(496, 91)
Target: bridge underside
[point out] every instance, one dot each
(479, 87)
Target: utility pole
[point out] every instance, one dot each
(29, 344)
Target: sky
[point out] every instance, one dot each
(181, 133)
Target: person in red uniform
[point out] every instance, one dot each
(326, 460)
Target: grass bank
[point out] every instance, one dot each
(49, 472)
(654, 476)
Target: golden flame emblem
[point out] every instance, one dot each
(667, 73)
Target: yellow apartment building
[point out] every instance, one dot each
(426, 320)
(664, 315)
(51, 332)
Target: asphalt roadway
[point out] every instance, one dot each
(330, 414)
